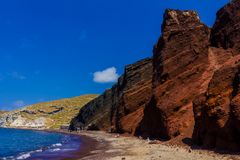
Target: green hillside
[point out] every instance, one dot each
(51, 114)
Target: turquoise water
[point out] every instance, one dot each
(27, 144)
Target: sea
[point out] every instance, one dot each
(18, 144)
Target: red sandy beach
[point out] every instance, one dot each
(104, 146)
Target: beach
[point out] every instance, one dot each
(99, 145)
(105, 146)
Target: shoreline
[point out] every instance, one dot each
(87, 144)
(99, 145)
(110, 146)
(88, 147)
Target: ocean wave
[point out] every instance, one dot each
(24, 156)
(57, 145)
(55, 150)
(27, 155)
(65, 145)
(65, 150)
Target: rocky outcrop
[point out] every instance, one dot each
(119, 109)
(217, 110)
(181, 72)
(15, 120)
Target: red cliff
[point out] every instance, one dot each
(217, 111)
(181, 72)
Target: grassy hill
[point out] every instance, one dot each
(52, 114)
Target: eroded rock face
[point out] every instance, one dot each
(134, 91)
(119, 109)
(180, 65)
(217, 111)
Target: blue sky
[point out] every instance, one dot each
(53, 49)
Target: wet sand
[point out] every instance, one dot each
(87, 145)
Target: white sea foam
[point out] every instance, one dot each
(68, 149)
(7, 158)
(57, 145)
(24, 156)
(55, 150)
(39, 150)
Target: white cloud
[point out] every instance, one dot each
(106, 76)
(16, 75)
(18, 104)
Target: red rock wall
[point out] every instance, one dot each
(180, 62)
(217, 110)
(134, 91)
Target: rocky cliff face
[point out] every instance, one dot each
(181, 72)
(196, 71)
(119, 109)
(95, 115)
(217, 110)
(189, 89)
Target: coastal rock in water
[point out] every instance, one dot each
(119, 109)
(182, 71)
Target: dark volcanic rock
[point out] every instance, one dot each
(226, 30)
(28, 112)
(96, 113)
(119, 109)
(180, 64)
